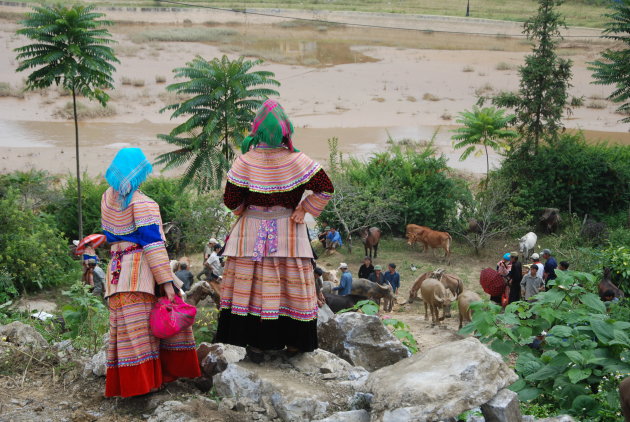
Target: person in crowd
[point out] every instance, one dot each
(366, 268)
(345, 284)
(540, 268)
(515, 277)
(98, 275)
(323, 235)
(89, 253)
(392, 277)
(207, 250)
(608, 297)
(214, 263)
(333, 239)
(137, 362)
(268, 294)
(531, 284)
(377, 276)
(549, 269)
(504, 265)
(185, 276)
(319, 284)
(563, 266)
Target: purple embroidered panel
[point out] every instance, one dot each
(266, 240)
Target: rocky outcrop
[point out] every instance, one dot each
(362, 340)
(439, 383)
(349, 416)
(214, 358)
(23, 336)
(306, 387)
(504, 407)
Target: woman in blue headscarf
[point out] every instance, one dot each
(138, 362)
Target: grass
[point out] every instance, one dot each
(484, 89)
(137, 83)
(8, 90)
(577, 13)
(504, 66)
(160, 79)
(85, 111)
(446, 116)
(430, 97)
(597, 104)
(577, 101)
(411, 99)
(468, 69)
(192, 34)
(126, 80)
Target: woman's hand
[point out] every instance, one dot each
(169, 291)
(298, 215)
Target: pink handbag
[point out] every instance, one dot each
(169, 318)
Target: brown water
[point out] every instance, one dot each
(50, 145)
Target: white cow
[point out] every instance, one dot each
(527, 244)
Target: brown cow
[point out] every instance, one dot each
(607, 284)
(429, 238)
(370, 238)
(450, 281)
(435, 296)
(463, 303)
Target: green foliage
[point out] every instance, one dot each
(64, 209)
(581, 345)
(406, 184)
(32, 251)
(7, 287)
(206, 323)
(86, 317)
(596, 178)
(544, 84)
(483, 127)
(614, 66)
(618, 259)
(225, 95)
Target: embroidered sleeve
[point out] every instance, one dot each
(234, 195)
(149, 235)
(322, 189)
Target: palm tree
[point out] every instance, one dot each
(221, 99)
(70, 48)
(485, 127)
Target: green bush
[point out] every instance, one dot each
(596, 178)
(86, 317)
(65, 209)
(416, 178)
(33, 252)
(577, 367)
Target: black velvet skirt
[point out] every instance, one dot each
(266, 334)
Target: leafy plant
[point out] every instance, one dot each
(70, 48)
(7, 287)
(86, 316)
(565, 342)
(614, 67)
(483, 127)
(206, 324)
(225, 95)
(618, 259)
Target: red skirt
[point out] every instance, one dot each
(138, 362)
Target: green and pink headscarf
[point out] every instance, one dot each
(270, 126)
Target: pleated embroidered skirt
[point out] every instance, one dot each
(268, 298)
(138, 362)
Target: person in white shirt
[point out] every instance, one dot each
(537, 263)
(214, 262)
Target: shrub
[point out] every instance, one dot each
(413, 178)
(7, 90)
(160, 79)
(138, 83)
(126, 80)
(468, 69)
(570, 351)
(596, 178)
(32, 251)
(85, 316)
(7, 286)
(597, 104)
(65, 209)
(504, 66)
(430, 97)
(577, 101)
(85, 111)
(193, 34)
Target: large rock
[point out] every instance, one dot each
(504, 407)
(362, 340)
(350, 416)
(199, 409)
(23, 336)
(214, 358)
(97, 364)
(439, 383)
(322, 362)
(324, 314)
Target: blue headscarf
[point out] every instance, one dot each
(127, 172)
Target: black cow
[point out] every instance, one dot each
(337, 303)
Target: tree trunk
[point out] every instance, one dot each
(76, 139)
(468, 8)
(487, 166)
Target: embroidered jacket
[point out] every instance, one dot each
(140, 224)
(275, 176)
